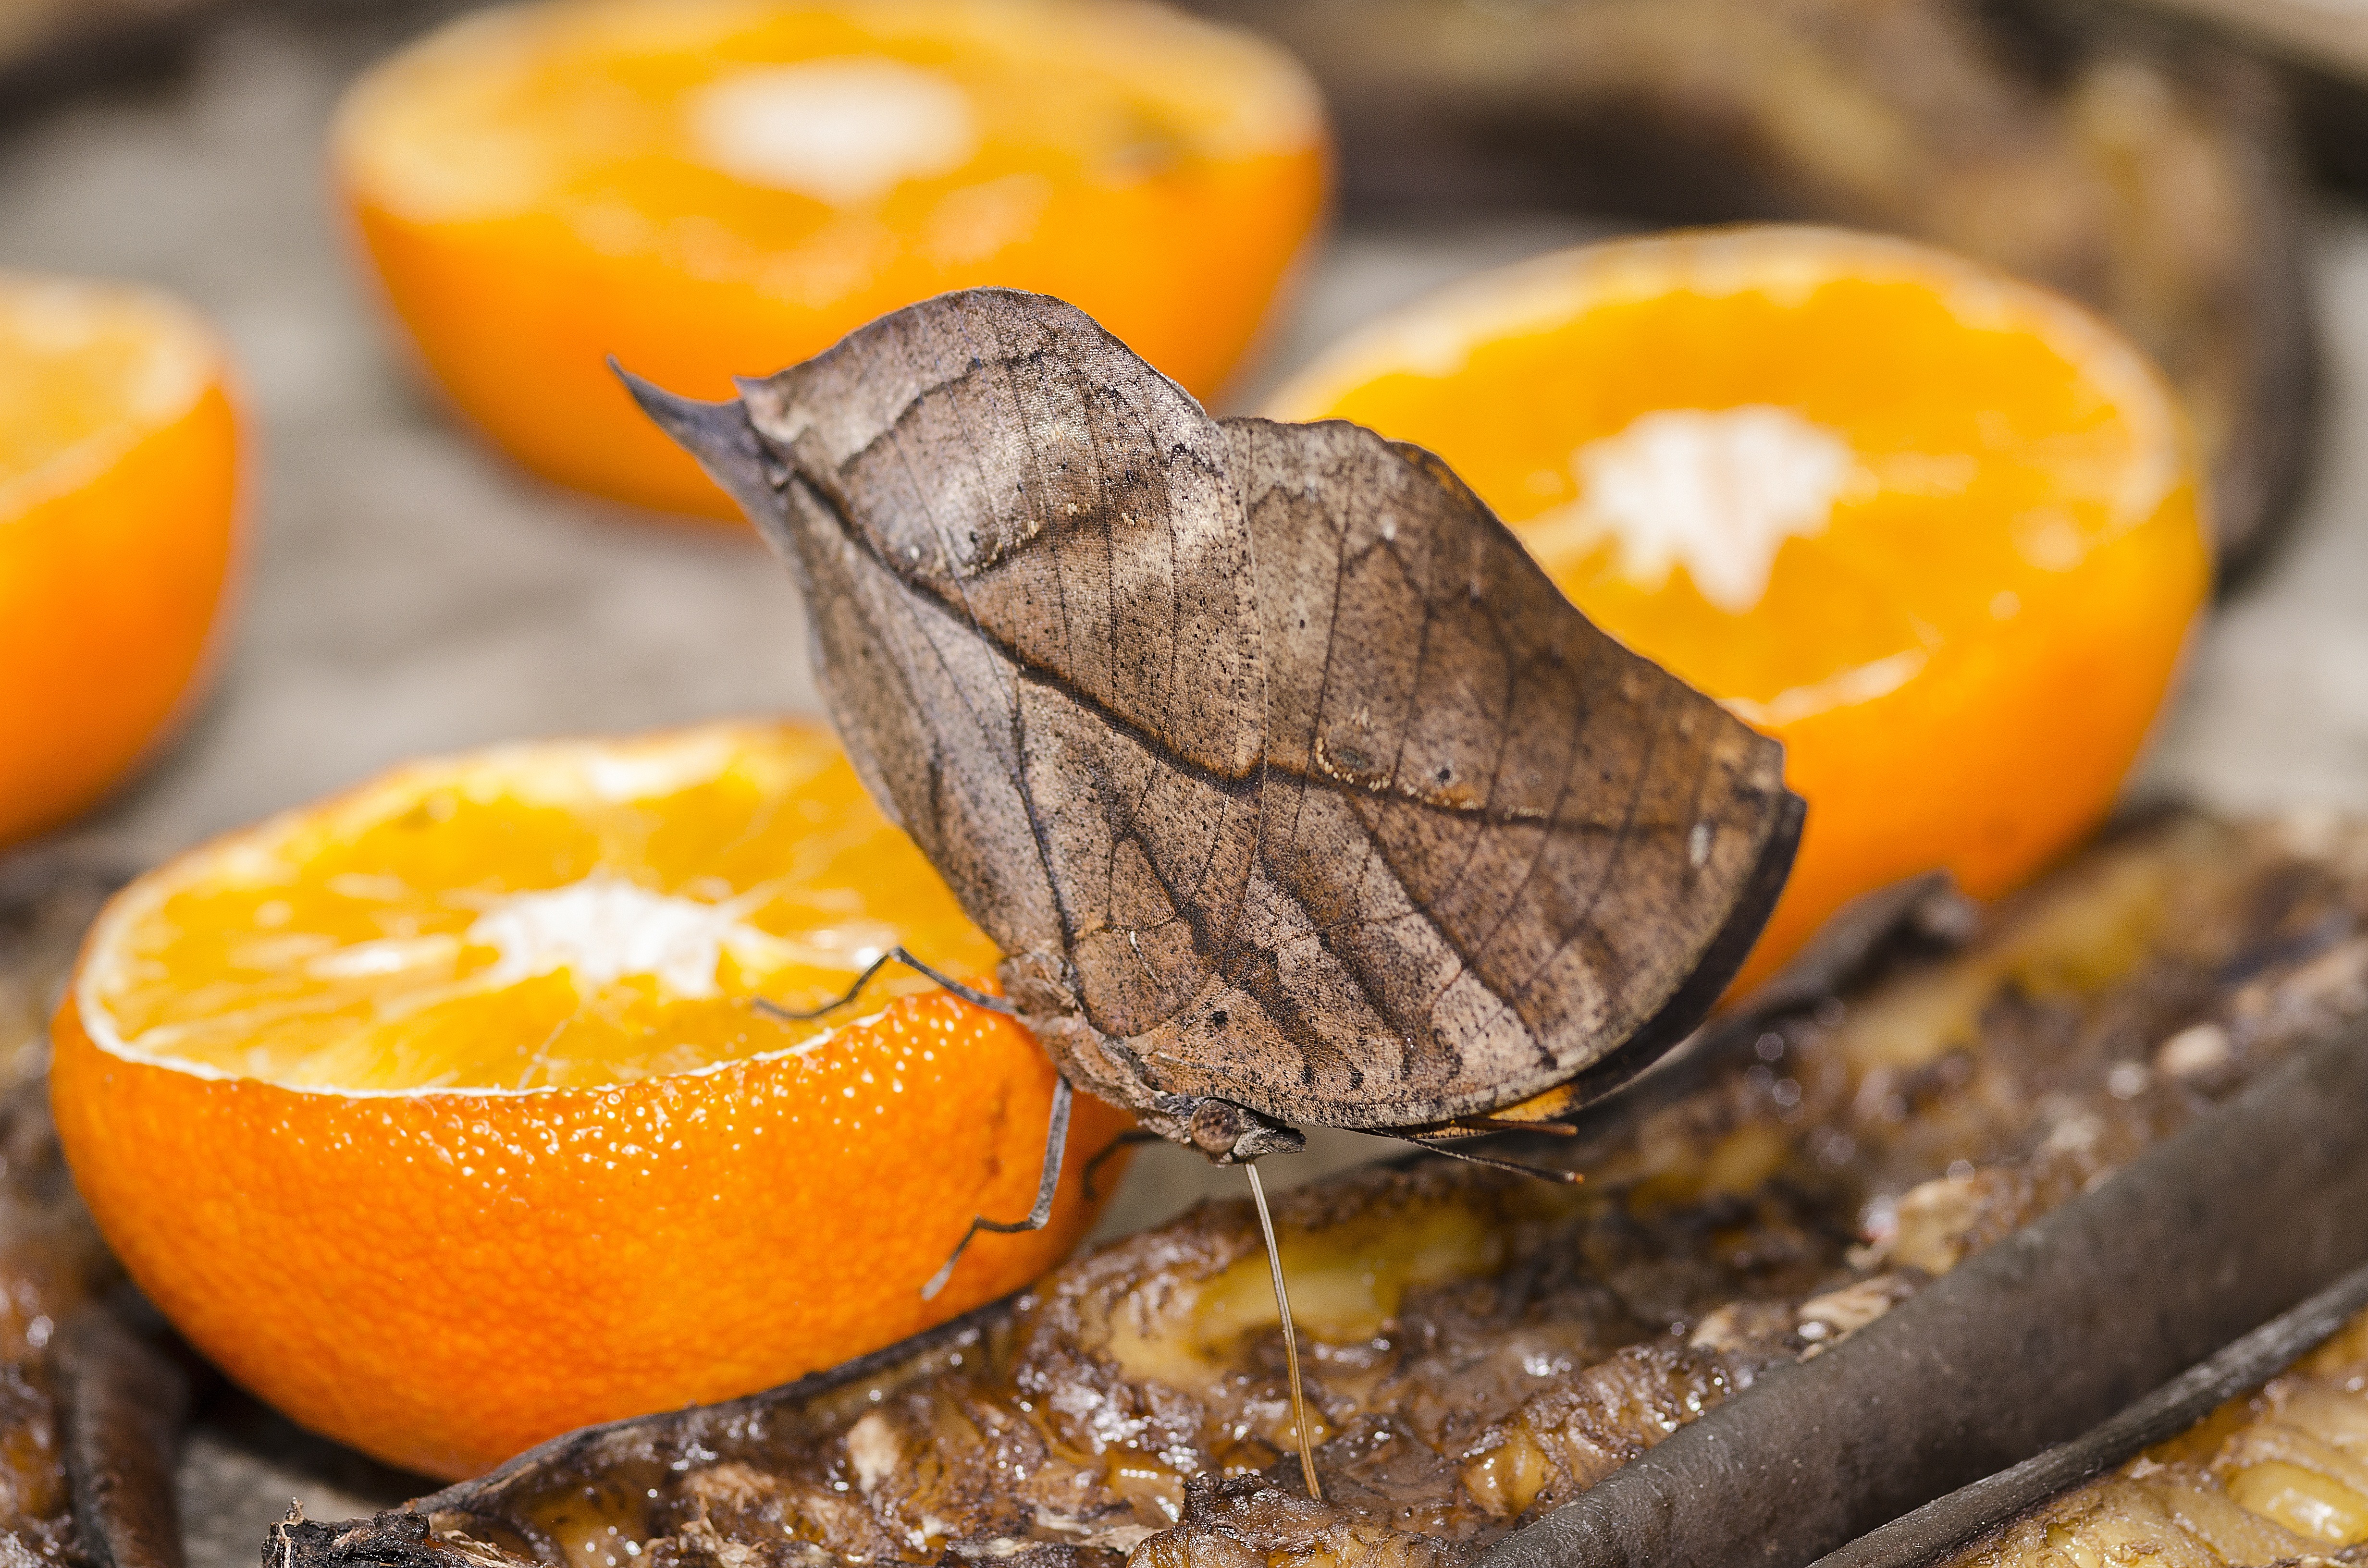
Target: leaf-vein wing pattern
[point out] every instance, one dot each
(1494, 843)
(1279, 770)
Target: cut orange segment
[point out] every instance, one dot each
(711, 188)
(1935, 529)
(118, 504)
(440, 1115)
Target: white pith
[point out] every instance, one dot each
(844, 131)
(603, 929)
(1716, 491)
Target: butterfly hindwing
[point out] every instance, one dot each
(1493, 842)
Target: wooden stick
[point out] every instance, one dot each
(2313, 33)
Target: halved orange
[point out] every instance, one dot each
(441, 1115)
(1935, 529)
(706, 187)
(119, 514)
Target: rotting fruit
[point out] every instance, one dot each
(1935, 529)
(1486, 1347)
(439, 1116)
(711, 188)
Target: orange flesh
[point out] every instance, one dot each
(719, 188)
(409, 937)
(1962, 635)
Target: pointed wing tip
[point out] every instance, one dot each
(687, 419)
(718, 434)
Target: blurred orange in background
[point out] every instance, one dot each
(711, 188)
(1935, 529)
(118, 502)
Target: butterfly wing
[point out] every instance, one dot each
(1029, 582)
(1494, 845)
(1283, 775)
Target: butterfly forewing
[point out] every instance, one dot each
(1033, 586)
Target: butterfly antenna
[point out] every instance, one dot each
(969, 994)
(1289, 1337)
(1056, 1142)
(1543, 1173)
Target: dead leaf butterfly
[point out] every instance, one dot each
(1292, 789)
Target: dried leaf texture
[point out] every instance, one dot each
(1282, 775)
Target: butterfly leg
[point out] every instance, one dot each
(1289, 1337)
(969, 994)
(1126, 1140)
(1056, 1139)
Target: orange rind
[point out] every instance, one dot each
(713, 187)
(440, 1116)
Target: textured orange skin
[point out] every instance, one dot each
(108, 597)
(442, 1279)
(516, 320)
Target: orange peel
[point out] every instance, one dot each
(439, 1117)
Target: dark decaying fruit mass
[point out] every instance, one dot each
(1280, 774)
(90, 1411)
(1841, 1195)
(2145, 169)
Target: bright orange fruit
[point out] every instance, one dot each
(706, 187)
(438, 1114)
(119, 506)
(1935, 529)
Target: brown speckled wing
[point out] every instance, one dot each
(1281, 774)
(1493, 844)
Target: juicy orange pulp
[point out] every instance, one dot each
(1935, 529)
(439, 1115)
(706, 187)
(119, 501)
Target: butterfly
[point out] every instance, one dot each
(1291, 788)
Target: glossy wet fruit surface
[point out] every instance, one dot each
(2277, 1476)
(1936, 531)
(118, 504)
(438, 1114)
(725, 187)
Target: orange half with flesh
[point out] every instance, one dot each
(1936, 530)
(442, 1116)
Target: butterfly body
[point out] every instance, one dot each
(1293, 790)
